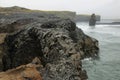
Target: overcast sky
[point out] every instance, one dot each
(105, 8)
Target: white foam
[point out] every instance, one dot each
(104, 29)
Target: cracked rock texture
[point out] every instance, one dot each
(59, 45)
(23, 72)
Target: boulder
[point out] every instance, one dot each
(23, 72)
(59, 45)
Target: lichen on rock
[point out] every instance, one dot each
(59, 45)
(23, 72)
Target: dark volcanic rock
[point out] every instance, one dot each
(59, 44)
(92, 20)
(9, 26)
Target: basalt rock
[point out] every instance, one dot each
(2, 37)
(92, 20)
(59, 45)
(12, 25)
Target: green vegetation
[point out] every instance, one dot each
(16, 9)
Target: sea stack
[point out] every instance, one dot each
(92, 20)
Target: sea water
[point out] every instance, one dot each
(108, 66)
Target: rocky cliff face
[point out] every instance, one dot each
(2, 37)
(9, 15)
(10, 22)
(85, 18)
(12, 16)
(59, 45)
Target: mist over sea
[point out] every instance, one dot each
(108, 66)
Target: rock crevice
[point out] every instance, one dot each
(59, 44)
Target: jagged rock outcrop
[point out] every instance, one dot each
(59, 45)
(9, 26)
(13, 18)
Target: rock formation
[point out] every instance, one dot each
(85, 18)
(59, 45)
(2, 37)
(23, 72)
(92, 20)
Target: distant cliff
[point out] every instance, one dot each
(13, 9)
(16, 12)
(81, 17)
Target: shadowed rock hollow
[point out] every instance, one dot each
(59, 44)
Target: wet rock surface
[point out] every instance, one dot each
(59, 45)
